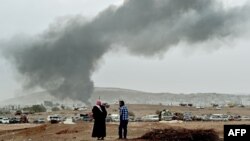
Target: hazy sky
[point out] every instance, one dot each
(180, 70)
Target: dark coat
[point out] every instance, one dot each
(99, 116)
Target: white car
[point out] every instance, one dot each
(115, 117)
(246, 118)
(54, 118)
(5, 121)
(219, 117)
(218, 108)
(150, 118)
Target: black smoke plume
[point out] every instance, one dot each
(62, 59)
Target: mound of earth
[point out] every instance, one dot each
(181, 134)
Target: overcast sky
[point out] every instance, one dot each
(180, 70)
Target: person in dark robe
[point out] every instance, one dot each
(99, 115)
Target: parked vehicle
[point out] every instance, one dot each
(246, 118)
(54, 118)
(166, 115)
(138, 119)
(177, 116)
(86, 117)
(205, 117)
(218, 108)
(150, 118)
(197, 118)
(234, 118)
(14, 120)
(187, 116)
(219, 117)
(200, 107)
(39, 120)
(115, 117)
(5, 120)
(75, 119)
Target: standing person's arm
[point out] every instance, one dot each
(93, 112)
(104, 111)
(123, 113)
(127, 116)
(120, 110)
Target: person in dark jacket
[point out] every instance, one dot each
(99, 115)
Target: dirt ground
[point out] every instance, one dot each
(81, 131)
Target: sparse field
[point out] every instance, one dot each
(82, 130)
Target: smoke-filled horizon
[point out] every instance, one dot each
(62, 59)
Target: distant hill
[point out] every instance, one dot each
(112, 95)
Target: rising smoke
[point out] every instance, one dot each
(62, 59)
